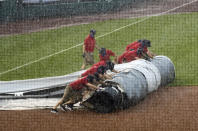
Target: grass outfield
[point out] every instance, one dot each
(175, 36)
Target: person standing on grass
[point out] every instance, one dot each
(88, 49)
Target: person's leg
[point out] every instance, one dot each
(84, 65)
(86, 95)
(64, 98)
(76, 96)
(85, 61)
(91, 55)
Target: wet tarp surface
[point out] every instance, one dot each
(138, 78)
(37, 84)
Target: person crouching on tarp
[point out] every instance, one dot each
(108, 64)
(128, 56)
(73, 92)
(105, 54)
(100, 70)
(144, 44)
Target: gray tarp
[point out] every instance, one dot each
(138, 78)
(18, 86)
(166, 69)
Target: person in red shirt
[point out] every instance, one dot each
(90, 71)
(100, 63)
(104, 54)
(100, 70)
(128, 56)
(121, 58)
(131, 55)
(88, 49)
(108, 65)
(95, 69)
(132, 45)
(144, 44)
(73, 92)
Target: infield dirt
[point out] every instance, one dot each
(169, 109)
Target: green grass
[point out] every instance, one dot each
(175, 36)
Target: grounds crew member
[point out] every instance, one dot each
(128, 56)
(94, 69)
(100, 63)
(144, 44)
(73, 92)
(100, 70)
(88, 49)
(104, 55)
(131, 46)
(108, 64)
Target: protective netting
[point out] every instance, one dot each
(21, 10)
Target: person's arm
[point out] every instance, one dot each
(120, 59)
(144, 56)
(137, 58)
(127, 47)
(97, 47)
(116, 60)
(92, 86)
(149, 54)
(115, 71)
(83, 48)
(107, 76)
(101, 82)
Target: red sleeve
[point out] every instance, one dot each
(86, 41)
(145, 49)
(85, 73)
(131, 45)
(100, 63)
(134, 54)
(84, 81)
(127, 48)
(90, 71)
(100, 56)
(111, 53)
(120, 59)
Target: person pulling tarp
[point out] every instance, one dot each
(73, 92)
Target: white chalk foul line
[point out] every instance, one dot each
(139, 21)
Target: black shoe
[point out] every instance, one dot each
(69, 107)
(54, 111)
(63, 108)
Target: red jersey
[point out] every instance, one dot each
(130, 55)
(100, 63)
(89, 44)
(131, 45)
(107, 56)
(127, 56)
(120, 58)
(135, 45)
(79, 84)
(90, 71)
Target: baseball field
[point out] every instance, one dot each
(173, 35)
(58, 51)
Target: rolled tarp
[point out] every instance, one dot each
(166, 69)
(133, 82)
(141, 77)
